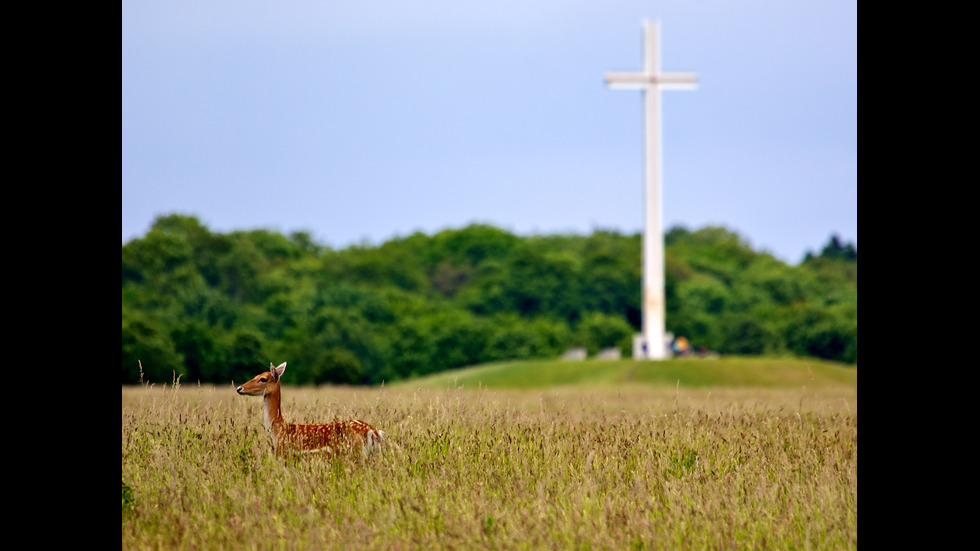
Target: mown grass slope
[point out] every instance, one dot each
(682, 372)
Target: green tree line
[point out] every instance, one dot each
(212, 307)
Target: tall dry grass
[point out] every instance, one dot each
(629, 468)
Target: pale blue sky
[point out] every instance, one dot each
(362, 121)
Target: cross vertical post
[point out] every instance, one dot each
(652, 81)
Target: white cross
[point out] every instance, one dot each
(652, 81)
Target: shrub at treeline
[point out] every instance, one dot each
(213, 307)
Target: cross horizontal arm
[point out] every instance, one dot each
(667, 81)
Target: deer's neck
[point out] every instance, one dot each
(273, 411)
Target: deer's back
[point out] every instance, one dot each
(328, 438)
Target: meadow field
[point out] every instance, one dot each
(699, 454)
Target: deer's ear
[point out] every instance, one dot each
(278, 371)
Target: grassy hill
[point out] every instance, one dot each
(578, 458)
(684, 372)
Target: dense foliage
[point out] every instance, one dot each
(212, 307)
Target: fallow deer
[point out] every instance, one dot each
(330, 439)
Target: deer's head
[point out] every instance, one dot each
(263, 383)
